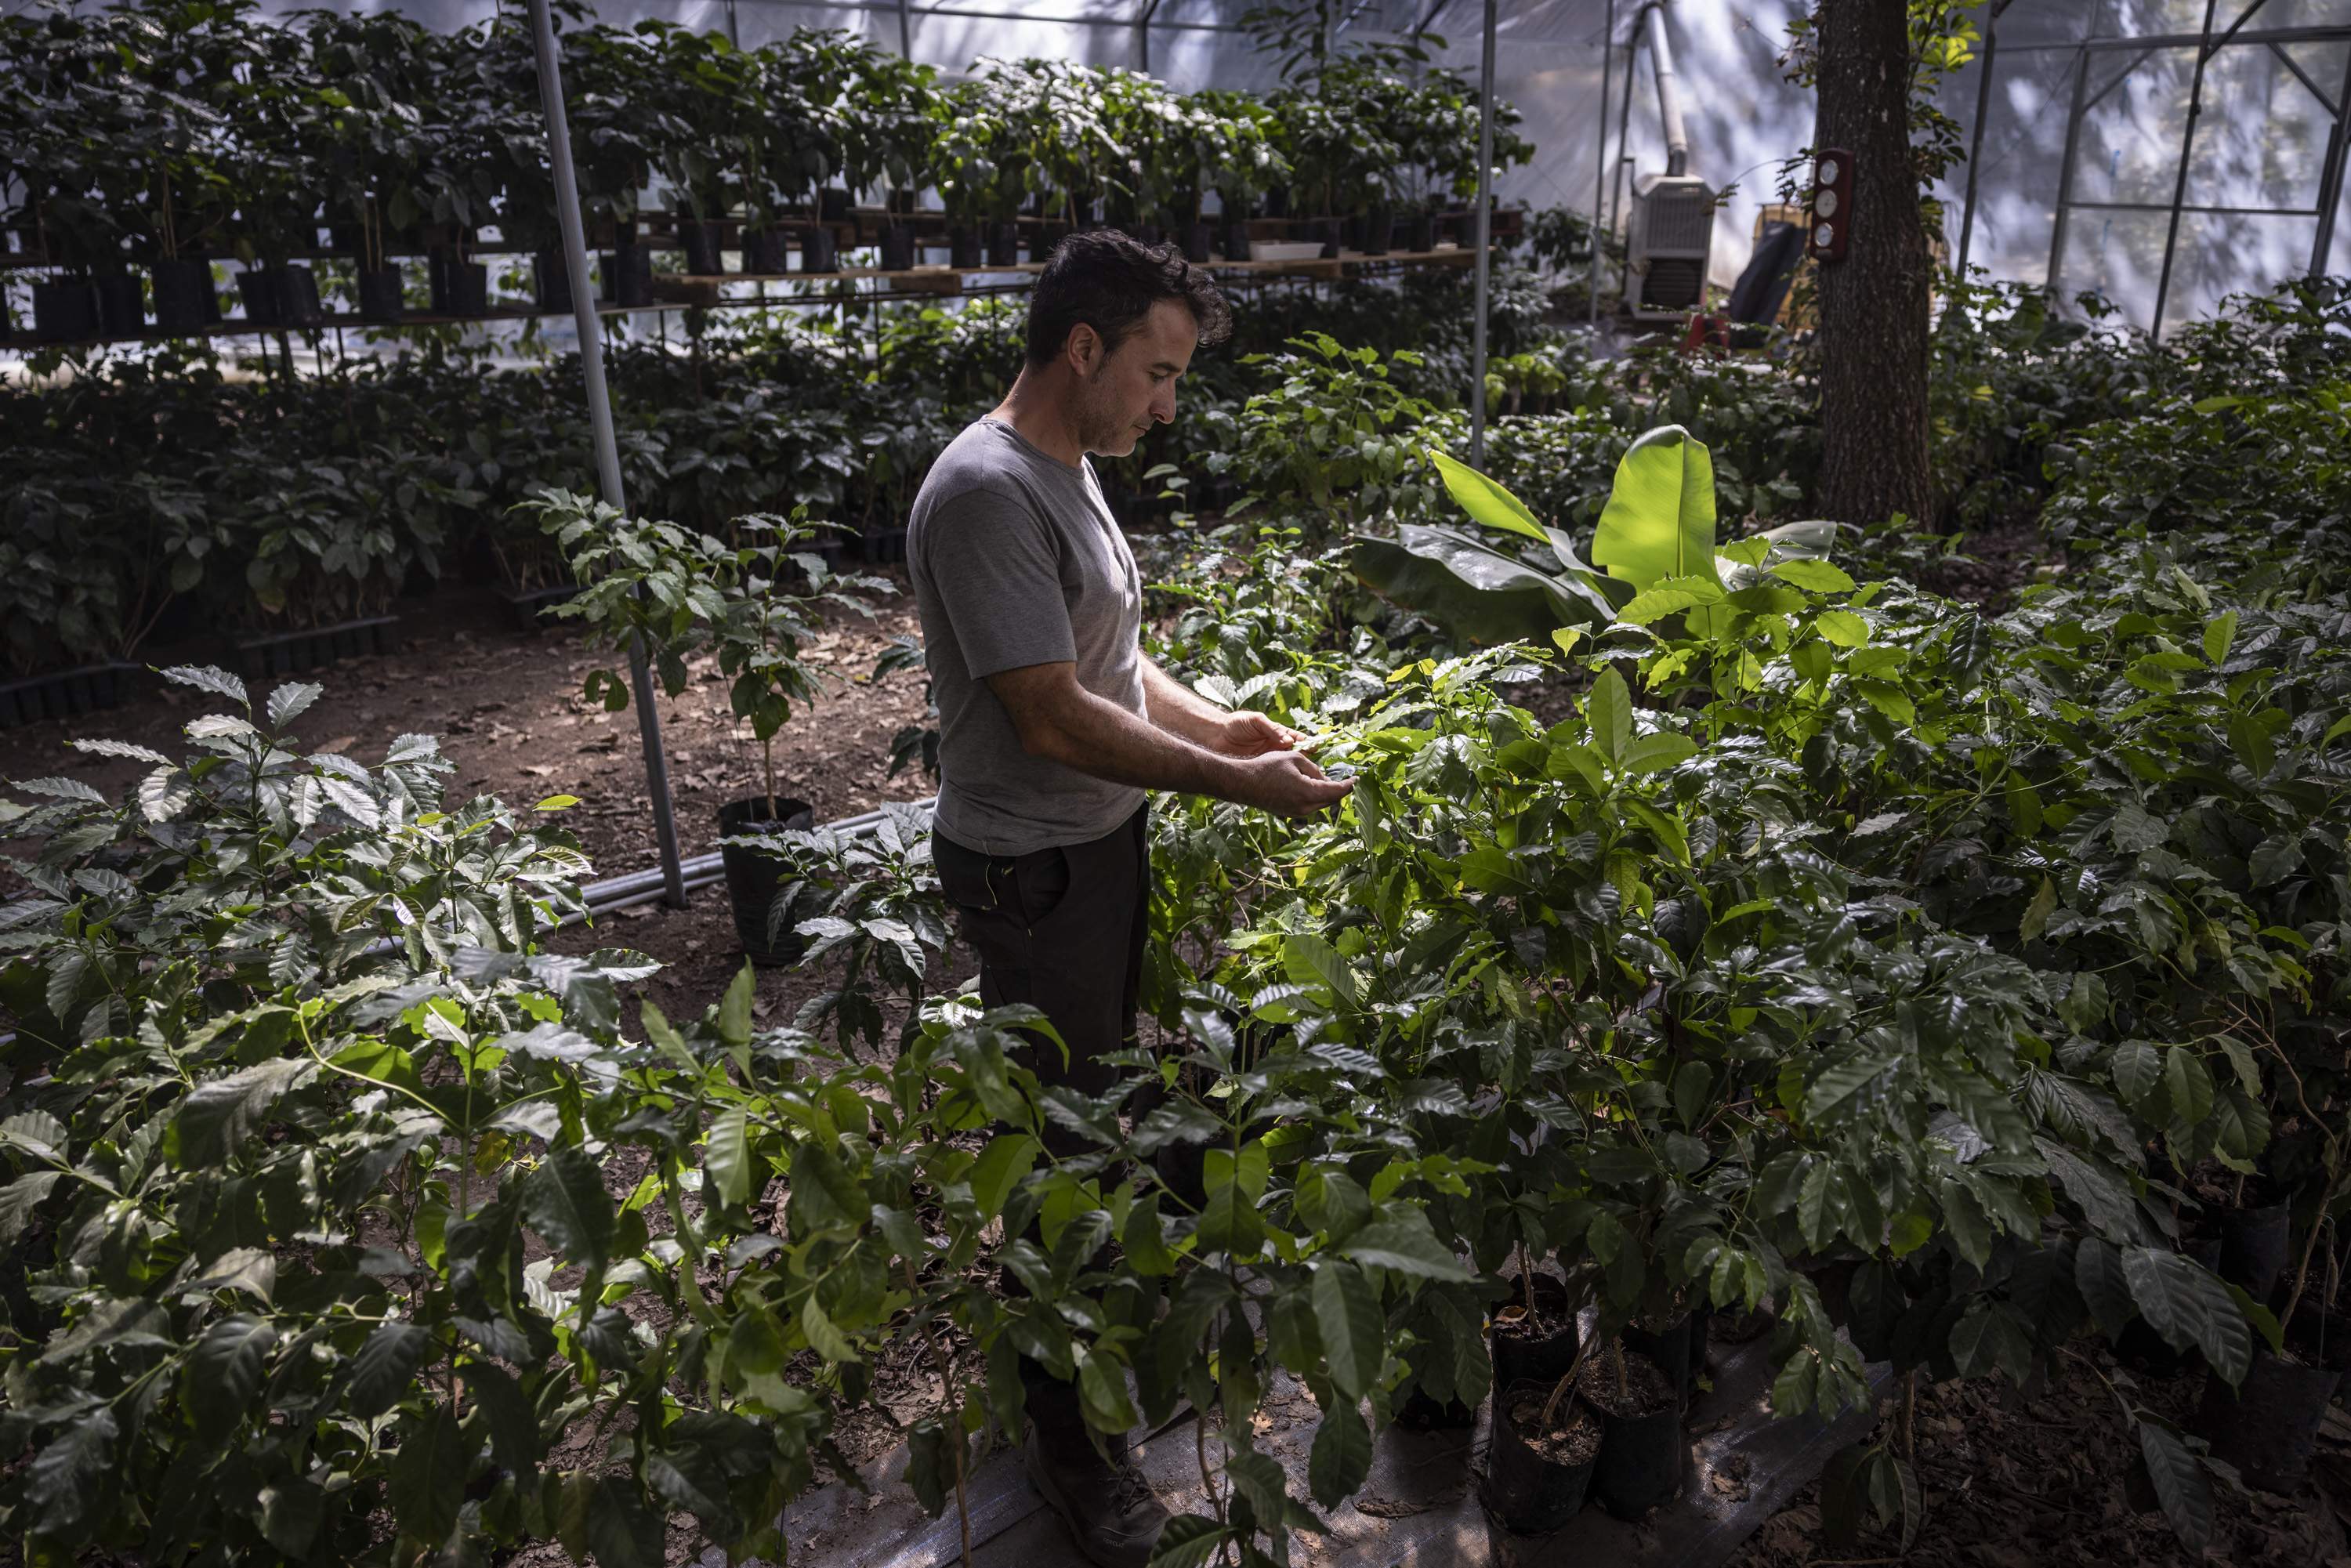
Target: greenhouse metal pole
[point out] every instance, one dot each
(1975, 132)
(2330, 177)
(1485, 245)
(2180, 184)
(1600, 166)
(600, 421)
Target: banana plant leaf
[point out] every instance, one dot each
(1473, 590)
(1659, 521)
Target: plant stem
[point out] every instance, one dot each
(1617, 1361)
(954, 1407)
(1526, 1281)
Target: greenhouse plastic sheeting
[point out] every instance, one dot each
(2274, 94)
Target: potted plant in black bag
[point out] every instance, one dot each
(370, 72)
(889, 123)
(1235, 143)
(704, 96)
(758, 639)
(61, 117)
(274, 165)
(796, 139)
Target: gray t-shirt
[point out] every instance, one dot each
(1017, 560)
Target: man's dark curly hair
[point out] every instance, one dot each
(1109, 281)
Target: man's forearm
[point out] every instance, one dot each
(1177, 709)
(1100, 738)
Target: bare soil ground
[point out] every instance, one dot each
(2041, 1480)
(506, 704)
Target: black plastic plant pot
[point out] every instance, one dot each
(965, 252)
(1641, 1447)
(1145, 233)
(460, 288)
(1538, 1347)
(1327, 231)
(1378, 234)
(65, 312)
(1670, 1347)
(1004, 245)
(753, 879)
(833, 204)
(184, 298)
(121, 306)
(1199, 243)
(382, 295)
(550, 281)
(1421, 1413)
(1420, 234)
(1277, 201)
(2268, 1426)
(882, 548)
(897, 248)
(819, 250)
(764, 252)
(699, 239)
(1536, 1478)
(2253, 1246)
(629, 276)
(1235, 245)
(263, 304)
(1043, 239)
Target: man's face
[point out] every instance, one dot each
(1122, 395)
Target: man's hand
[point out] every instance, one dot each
(1286, 783)
(1249, 733)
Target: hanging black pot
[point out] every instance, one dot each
(897, 248)
(1641, 1446)
(819, 250)
(1669, 1348)
(2253, 1248)
(1198, 246)
(700, 238)
(1004, 245)
(1538, 1346)
(753, 879)
(121, 306)
(1420, 234)
(381, 294)
(2268, 1426)
(765, 252)
(964, 252)
(1537, 1476)
(550, 281)
(1378, 234)
(65, 312)
(185, 300)
(1235, 245)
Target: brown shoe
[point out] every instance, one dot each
(1109, 1510)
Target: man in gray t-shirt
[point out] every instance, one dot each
(1052, 723)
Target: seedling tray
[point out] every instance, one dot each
(292, 653)
(63, 693)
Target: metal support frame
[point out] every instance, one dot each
(1436, 9)
(905, 31)
(2331, 171)
(2187, 146)
(600, 421)
(1142, 36)
(2207, 43)
(1485, 242)
(1975, 132)
(1600, 161)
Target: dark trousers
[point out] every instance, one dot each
(1063, 930)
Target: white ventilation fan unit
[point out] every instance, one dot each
(1669, 239)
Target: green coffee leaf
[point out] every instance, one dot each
(1342, 1456)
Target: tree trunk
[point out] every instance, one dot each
(1874, 303)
